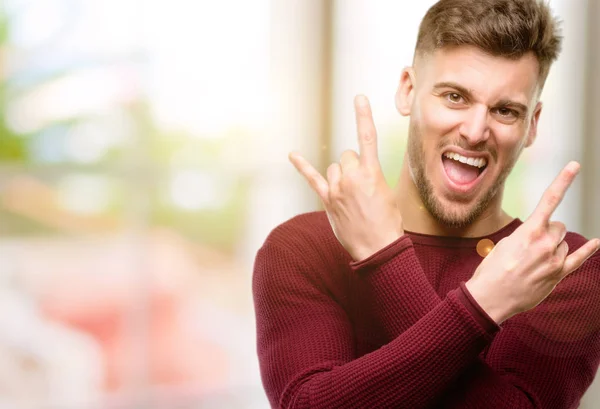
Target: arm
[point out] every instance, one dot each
(305, 341)
(515, 375)
(305, 345)
(550, 353)
(544, 358)
(396, 281)
(518, 274)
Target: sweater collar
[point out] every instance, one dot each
(452, 241)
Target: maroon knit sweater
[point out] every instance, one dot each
(400, 330)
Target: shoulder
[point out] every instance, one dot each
(301, 248)
(302, 233)
(298, 261)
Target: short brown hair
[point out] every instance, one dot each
(507, 28)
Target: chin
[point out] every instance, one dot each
(453, 214)
(455, 210)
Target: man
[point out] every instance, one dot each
(430, 295)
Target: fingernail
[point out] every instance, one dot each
(362, 101)
(573, 166)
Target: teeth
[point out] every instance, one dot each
(480, 162)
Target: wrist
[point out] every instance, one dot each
(364, 253)
(496, 309)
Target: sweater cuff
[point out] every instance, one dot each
(475, 309)
(382, 256)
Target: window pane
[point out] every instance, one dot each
(129, 155)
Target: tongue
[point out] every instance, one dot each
(460, 173)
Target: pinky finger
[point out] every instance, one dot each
(576, 259)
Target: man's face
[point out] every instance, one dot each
(466, 105)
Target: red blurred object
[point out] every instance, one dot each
(104, 306)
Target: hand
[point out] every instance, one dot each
(523, 268)
(360, 206)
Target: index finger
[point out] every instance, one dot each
(314, 178)
(555, 193)
(367, 134)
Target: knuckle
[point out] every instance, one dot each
(346, 183)
(563, 231)
(349, 154)
(548, 247)
(335, 194)
(313, 182)
(349, 160)
(371, 173)
(332, 171)
(536, 233)
(560, 227)
(553, 198)
(367, 136)
(352, 177)
(556, 261)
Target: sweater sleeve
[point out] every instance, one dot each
(306, 347)
(545, 358)
(514, 375)
(402, 294)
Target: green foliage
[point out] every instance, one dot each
(391, 153)
(513, 202)
(12, 147)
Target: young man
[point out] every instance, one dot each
(430, 295)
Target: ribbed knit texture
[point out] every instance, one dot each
(400, 330)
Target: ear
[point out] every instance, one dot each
(533, 125)
(406, 91)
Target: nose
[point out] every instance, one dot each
(475, 127)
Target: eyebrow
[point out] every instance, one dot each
(467, 93)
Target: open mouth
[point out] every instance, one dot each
(463, 172)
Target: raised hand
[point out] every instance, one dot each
(524, 268)
(360, 206)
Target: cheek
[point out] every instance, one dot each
(509, 141)
(437, 124)
(436, 120)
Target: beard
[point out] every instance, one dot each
(456, 218)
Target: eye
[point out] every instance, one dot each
(454, 98)
(507, 112)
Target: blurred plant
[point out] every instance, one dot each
(150, 155)
(12, 146)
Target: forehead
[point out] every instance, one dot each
(486, 76)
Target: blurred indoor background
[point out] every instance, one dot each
(143, 161)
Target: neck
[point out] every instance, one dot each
(416, 218)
